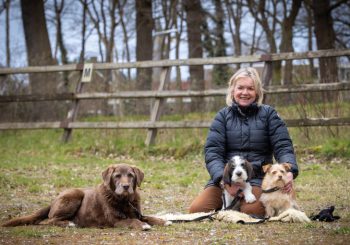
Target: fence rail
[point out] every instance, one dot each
(172, 94)
(153, 124)
(183, 62)
(306, 122)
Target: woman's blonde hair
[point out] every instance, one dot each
(245, 72)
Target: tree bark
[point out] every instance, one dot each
(267, 20)
(220, 72)
(7, 17)
(193, 10)
(287, 39)
(325, 39)
(38, 53)
(144, 42)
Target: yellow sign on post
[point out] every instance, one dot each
(87, 73)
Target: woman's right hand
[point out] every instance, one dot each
(232, 189)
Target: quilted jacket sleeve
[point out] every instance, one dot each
(215, 148)
(281, 142)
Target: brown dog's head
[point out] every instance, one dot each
(275, 174)
(237, 170)
(122, 179)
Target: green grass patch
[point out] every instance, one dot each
(336, 147)
(342, 230)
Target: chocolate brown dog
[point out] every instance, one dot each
(114, 203)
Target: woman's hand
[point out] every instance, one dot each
(233, 188)
(289, 185)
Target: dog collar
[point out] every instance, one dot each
(276, 188)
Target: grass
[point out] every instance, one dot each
(35, 166)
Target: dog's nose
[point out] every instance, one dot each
(280, 176)
(239, 174)
(126, 187)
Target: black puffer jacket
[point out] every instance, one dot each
(257, 133)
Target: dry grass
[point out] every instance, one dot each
(169, 186)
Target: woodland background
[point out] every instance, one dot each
(38, 32)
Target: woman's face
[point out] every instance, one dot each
(244, 92)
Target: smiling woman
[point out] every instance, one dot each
(249, 129)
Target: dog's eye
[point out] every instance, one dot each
(282, 171)
(274, 172)
(118, 176)
(130, 175)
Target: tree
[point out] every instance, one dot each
(144, 42)
(220, 72)
(38, 53)
(6, 6)
(287, 37)
(236, 15)
(265, 13)
(194, 20)
(325, 37)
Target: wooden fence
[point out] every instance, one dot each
(70, 123)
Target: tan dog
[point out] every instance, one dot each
(273, 198)
(114, 203)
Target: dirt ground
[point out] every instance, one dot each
(318, 187)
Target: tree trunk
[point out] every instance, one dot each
(220, 72)
(60, 44)
(325, 39)
(195, 50)
(7, 17)
(309, 40)
(83, 31)
(287, 40)
(144, 42)
(144, 48)
(38, 53)
(267, 20)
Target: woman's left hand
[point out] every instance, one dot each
(289, 185)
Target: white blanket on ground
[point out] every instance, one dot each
(227, 216)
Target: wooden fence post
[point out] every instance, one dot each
(267, 71)
(85, 76)
(157, 107)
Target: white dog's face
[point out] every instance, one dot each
(276, 174)
(237, 170)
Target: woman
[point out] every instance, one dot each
(248, 128)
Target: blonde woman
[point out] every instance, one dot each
(250, 129)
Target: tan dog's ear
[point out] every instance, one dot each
(266, 167)
(227, 175)
(139, 175)
(287, 166)
(106, 175)
(250, 170)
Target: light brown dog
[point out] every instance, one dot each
(114, 203)
(273, 198)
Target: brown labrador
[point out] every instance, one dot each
(114, 203)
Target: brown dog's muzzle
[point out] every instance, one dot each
(124, 186)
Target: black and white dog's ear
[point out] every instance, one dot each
(250, 170)
(227, 173)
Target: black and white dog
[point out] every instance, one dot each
(237, 171)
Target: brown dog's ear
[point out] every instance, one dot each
(287, 166)
(139, 175)
(227, 174)
(250, 170)
(106, 175)
(266, 167)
